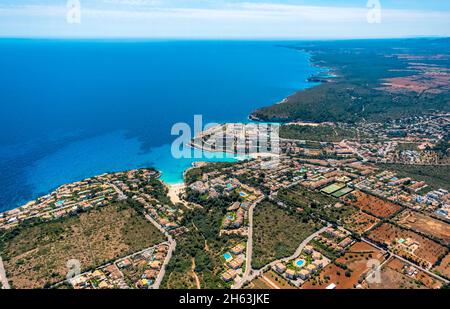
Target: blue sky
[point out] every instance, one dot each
(222, 19)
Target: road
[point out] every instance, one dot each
(122, 196)
(249, 251)
(256, 273)
(3, 279)
(171, 241)
(172, 246)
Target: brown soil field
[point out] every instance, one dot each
(392, 277)
(331, 274)
(270, 281)
(360, 222)
(372, 204)
(424, 224)
(428, 250)
(444, 267)
(36, 256)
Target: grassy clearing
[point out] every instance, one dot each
(277, 233)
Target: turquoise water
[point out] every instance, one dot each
(227, 256)
(300, 263)
(74, 109)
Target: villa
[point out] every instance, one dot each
(280, 268)
(316, 256)
(229, 275)
(236, 263)
(318, 264)
(303, 274)
(308, 249)
(290, 274)
(238, 249)
(312, 268)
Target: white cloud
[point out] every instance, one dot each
(114, 13)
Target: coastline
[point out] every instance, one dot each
(166, 177)
(317, 79)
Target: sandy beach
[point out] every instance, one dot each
(174, 191)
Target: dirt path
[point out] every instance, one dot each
(197, 281)
(269, 282)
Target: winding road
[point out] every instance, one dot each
(256, 273)
(172, 246)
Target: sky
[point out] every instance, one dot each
(224, 19)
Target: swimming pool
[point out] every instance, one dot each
(227, 256)
(300, 263)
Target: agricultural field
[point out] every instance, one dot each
(330, 274)
(35, 255)
(425, 225)
(372, 204)
(360, 222)
(396, 274)
(408, 244)
(277, 233)
(444, 267)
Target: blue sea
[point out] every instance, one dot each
(71, 109)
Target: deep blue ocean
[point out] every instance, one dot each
(71, 109)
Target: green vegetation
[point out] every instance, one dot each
(355, 94)
(194, 174)
(322, 133)
(435, 176)
(203, 243)
(316, 204)
(277, 232)
(35, 254)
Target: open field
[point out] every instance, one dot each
(396, 274)
(270, 280)
(329, 275)
(277, 233)
(424, 224)
(372, 204)
(349, 270)
(444, 267)
(408, 244)
(360, 222)
(36, 255)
